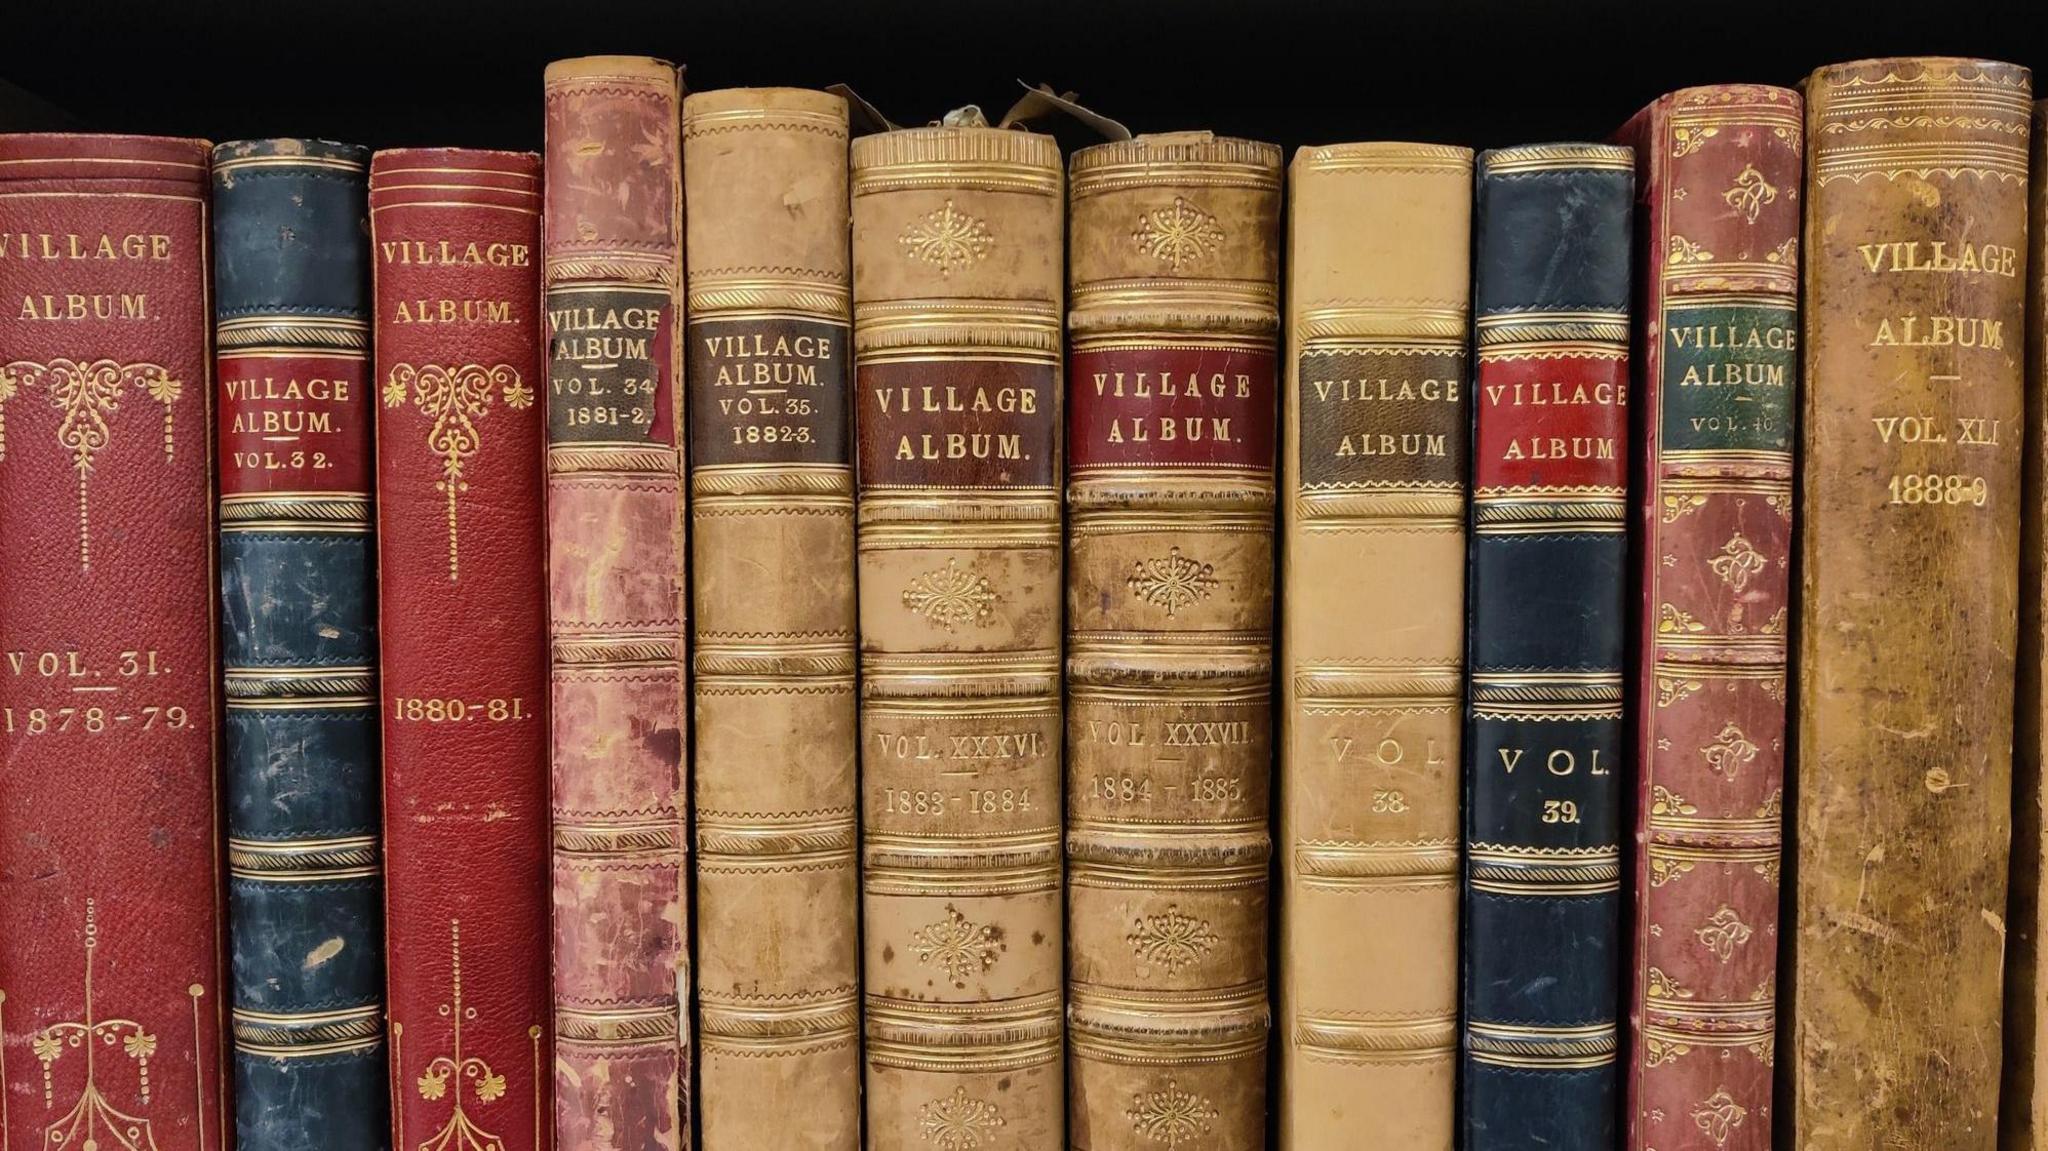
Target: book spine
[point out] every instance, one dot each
(298, 644)
(462, 609)
(1174, 280)
(2023, 1099)
(1717, 329)
(957, 243)
(110, 882)
(1544, 722)
(611, 266)
(1916, 201)
(1374, 466)
(778, 722)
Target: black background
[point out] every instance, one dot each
(1475, 72)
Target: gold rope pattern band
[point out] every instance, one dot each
(290, 331)
(335, 511)
(287, 1035)
(623, 1026)
(1541, 1048)
(1399, 1039)
(304, 860)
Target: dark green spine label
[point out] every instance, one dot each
(1729, 371)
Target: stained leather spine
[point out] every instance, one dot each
(1374, 480)
(1174, 315)
(1718, 175)
(2023, 1098)
(1907, 614)
(611, 248)
(111, 967)
(778, 722)
(299, 644)
(956, 326)
(1544, 735)
(462, 609)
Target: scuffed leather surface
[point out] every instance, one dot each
(778, 891)
(2023, 1098)
(1906, 617)
(615, 543)
(1719, 168)
(1169, 640)
(959, 585)
(108, 839)
(1552, 237)
(291, 242)
(465, 817)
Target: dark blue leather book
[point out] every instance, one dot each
(1543, 744)
(298, 645)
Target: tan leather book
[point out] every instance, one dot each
(956, 327)
(771, 514)
(1173, 322)
(2023, 1104)
(1909, 522)
(1374, 479)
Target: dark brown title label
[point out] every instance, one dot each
(1383, 416)
(610, 370)
(767, 391)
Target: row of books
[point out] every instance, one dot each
(361, 498)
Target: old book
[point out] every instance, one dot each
(111, 995)
(611, 248)
(2023, 1101)
(957, 244)
(299, 644)
(1543, 741)
(1374, 480)
(778, 725)
(1174, 315)
(1907, 612)
(462, 614)
(1717, 322)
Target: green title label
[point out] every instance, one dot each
(1729, 373)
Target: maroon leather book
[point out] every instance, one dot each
(613, 271)
(111, 993)
(1719, 189)
(455, 238)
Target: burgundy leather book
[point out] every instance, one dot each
(455, 238)
(613, 271)
(111, 993)
(1719, 194)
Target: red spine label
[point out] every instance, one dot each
(294, 422)
(958, 423)
(111, 995)
(1554, 422)
(1172, 406)
(462, 609)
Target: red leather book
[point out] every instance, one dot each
(613, 270)
(1719, 194)
(111, 993)
(455, 239)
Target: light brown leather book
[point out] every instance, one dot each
(1909, 522)
(2023, 1103)
(956, 327)
(1374, 480)
(771, 512)
(611, 247)
(1175, 251)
